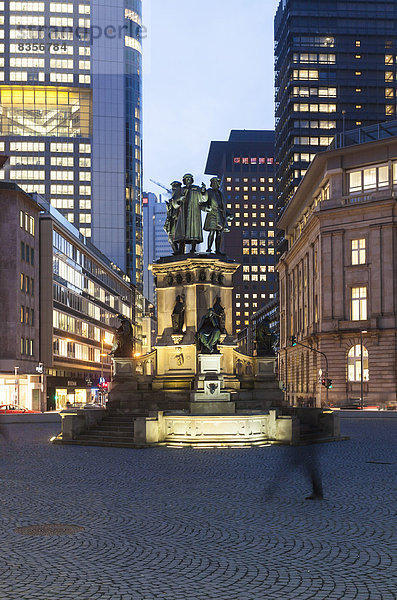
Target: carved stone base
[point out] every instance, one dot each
(221, 406)
(123, 367)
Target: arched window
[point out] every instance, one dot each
(354, 364)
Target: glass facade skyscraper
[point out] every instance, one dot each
(155, 239)
(335, 70)
(70, 93)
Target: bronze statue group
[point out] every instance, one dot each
(183, 223)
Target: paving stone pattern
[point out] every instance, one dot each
(187, 524)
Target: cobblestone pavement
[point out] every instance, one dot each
(187, 524)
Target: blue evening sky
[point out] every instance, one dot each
(208, 69)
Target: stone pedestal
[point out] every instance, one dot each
(210, 396)
(200, 279)
(124, 368)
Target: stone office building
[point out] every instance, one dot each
(338, 278)
(19, 299)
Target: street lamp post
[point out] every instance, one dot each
(296, 343)
(16, 386)
(41, 371)
(362, 370)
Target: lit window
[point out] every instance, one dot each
(389, 109)
(366, 179)
(54, 112)
(358, 73)
(359, 303)
(354, 363)
(389, 76)
(389, 59)
(358, 43)
(358, 251)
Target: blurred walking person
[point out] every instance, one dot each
(303, 459)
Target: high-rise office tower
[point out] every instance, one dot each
(245, 163)
(335, 70)
(155, 239)
(70, 93)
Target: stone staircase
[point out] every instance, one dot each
(114, 430)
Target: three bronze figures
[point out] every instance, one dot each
(183, 223)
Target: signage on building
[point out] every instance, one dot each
(72, 383)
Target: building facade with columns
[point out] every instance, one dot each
(338, 279)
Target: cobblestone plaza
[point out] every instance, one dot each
(187, 524)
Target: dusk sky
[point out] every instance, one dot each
(208, 69)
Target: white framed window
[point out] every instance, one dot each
(358, 252)
(359, 303)
(354, 364)
(371, 178)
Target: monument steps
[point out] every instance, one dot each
(111, 437)
(113, 430)
(101, 443)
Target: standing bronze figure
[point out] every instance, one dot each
(188, 228)
(178, 315)
(220, 311)
(215, 221)
(173, 207)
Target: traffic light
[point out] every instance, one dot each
(327, 383)
(293, 340)
(103, 384)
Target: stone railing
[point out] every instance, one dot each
(139, 366)
(374, 196)
(146, 364)
(216, 430)
(75, 421)
(257, 366)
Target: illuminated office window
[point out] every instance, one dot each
(64, 147)
(62, 161)
(62, 175)
(45, 112)
(61, 7)
(61, 77)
